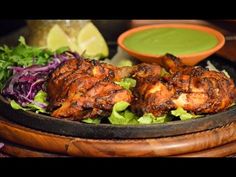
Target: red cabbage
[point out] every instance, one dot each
(26, 82)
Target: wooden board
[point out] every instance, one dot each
(184, 145)
(15, 150)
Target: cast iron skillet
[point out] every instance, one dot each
(107, 131)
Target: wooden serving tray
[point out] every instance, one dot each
(212, 143)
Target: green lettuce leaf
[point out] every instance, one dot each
(92, 121)
(36, 108)
(16, 106)
(183, 114)
(149, 118)
(40, 97)
(125, 62)
(122, 116)
(146, 119)
(127, 83)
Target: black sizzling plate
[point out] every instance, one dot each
(107, 131)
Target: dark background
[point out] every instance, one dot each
(7, 26)
(111, 29)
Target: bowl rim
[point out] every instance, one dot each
(219, 36)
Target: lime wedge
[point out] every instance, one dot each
(91, 42)
(57, 38)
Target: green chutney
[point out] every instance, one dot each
(176, 41)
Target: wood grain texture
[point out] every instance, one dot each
(220, 151)
(32, 138)
(72, 146)
(154, 147)
(13, 150)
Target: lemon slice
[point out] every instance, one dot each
(57, 38)
(91, 42)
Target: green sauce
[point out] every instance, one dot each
(176, 41)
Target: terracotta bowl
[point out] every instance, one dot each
(188, 59)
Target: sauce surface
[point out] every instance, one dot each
(176, 41)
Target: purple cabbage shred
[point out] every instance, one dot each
(26, 82)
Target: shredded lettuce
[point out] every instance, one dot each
(122, 116)
(40, 98)
(38, 105)
(149, 118)
(183, 114)
(125, 62)
(16, 106)
(226, 73)
(211, 67)
(146, 119)
(127, 83)
(92, 120)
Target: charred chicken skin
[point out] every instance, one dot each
(152, 94)
(82, 88)
(193, 88)
(198, 89)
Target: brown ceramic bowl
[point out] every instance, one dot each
(188, 59)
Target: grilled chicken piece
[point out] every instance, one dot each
(195, 89)
(82, 88)
(151, 93)
(145, 70)
(97, 101)
(199, 90)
